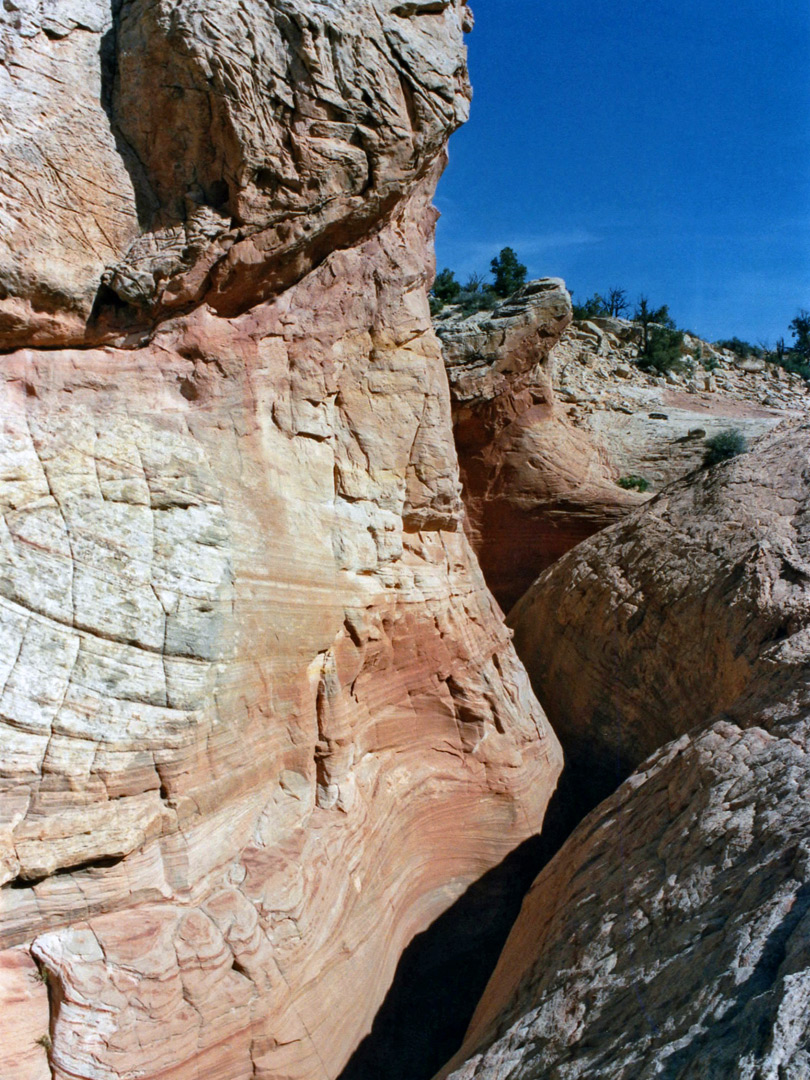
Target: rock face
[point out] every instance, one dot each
(671, 935)
(548, 417)
(221, 155)
(260, 719)
(533, 485)
(656, 427)
(696, 604)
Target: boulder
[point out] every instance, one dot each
(671, 934)
(695, 605)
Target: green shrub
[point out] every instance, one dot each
(476, 283)
(480, 300)
(593, 308)
(711, 363)
(445, 287)
(45, 1042)
(739, 348)
(509, 274)
(790, 363)
(796, 357)
(662, 352)
(436, 305)
(727, 444)
(633, 482)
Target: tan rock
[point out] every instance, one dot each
(671, 934)
(693, 606)
(260, 719)
(640, 425)
(25, 1018)
(194, 157)
(533, 485)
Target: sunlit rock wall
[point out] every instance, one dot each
(260, 720)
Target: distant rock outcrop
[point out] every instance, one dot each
(533, 485)
(260, 719)
(656, 426)
(550, 415)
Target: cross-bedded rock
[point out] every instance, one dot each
(260, 719)
(155, 155)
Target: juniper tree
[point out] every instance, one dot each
(508, 272)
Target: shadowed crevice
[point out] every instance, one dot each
(443, 972)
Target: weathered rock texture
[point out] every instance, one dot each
(656, 427)
(694, 605)
(158, 154)
(548, 415)
(534, 486)
(671, 935)
(260, 719)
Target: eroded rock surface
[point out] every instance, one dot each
(534, 486)
(671, 935)
(654, 426)
(158, 154)
(260, 719)
(696, 604)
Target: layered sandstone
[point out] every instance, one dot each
(534, 486)
(155, 155)
(671, 935)
(260, 719)
(695, 605)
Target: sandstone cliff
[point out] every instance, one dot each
(533, 485)
(260, 719)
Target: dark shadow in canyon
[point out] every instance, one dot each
(443, 972)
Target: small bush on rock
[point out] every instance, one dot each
(727, 444)
(662, 352)
(479, 300)
(633, 483)
(508, 272)
(445, 287)
(738, 347)
(592, 308)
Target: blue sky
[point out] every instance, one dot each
(659, 145)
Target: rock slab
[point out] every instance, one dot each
(671, 935)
